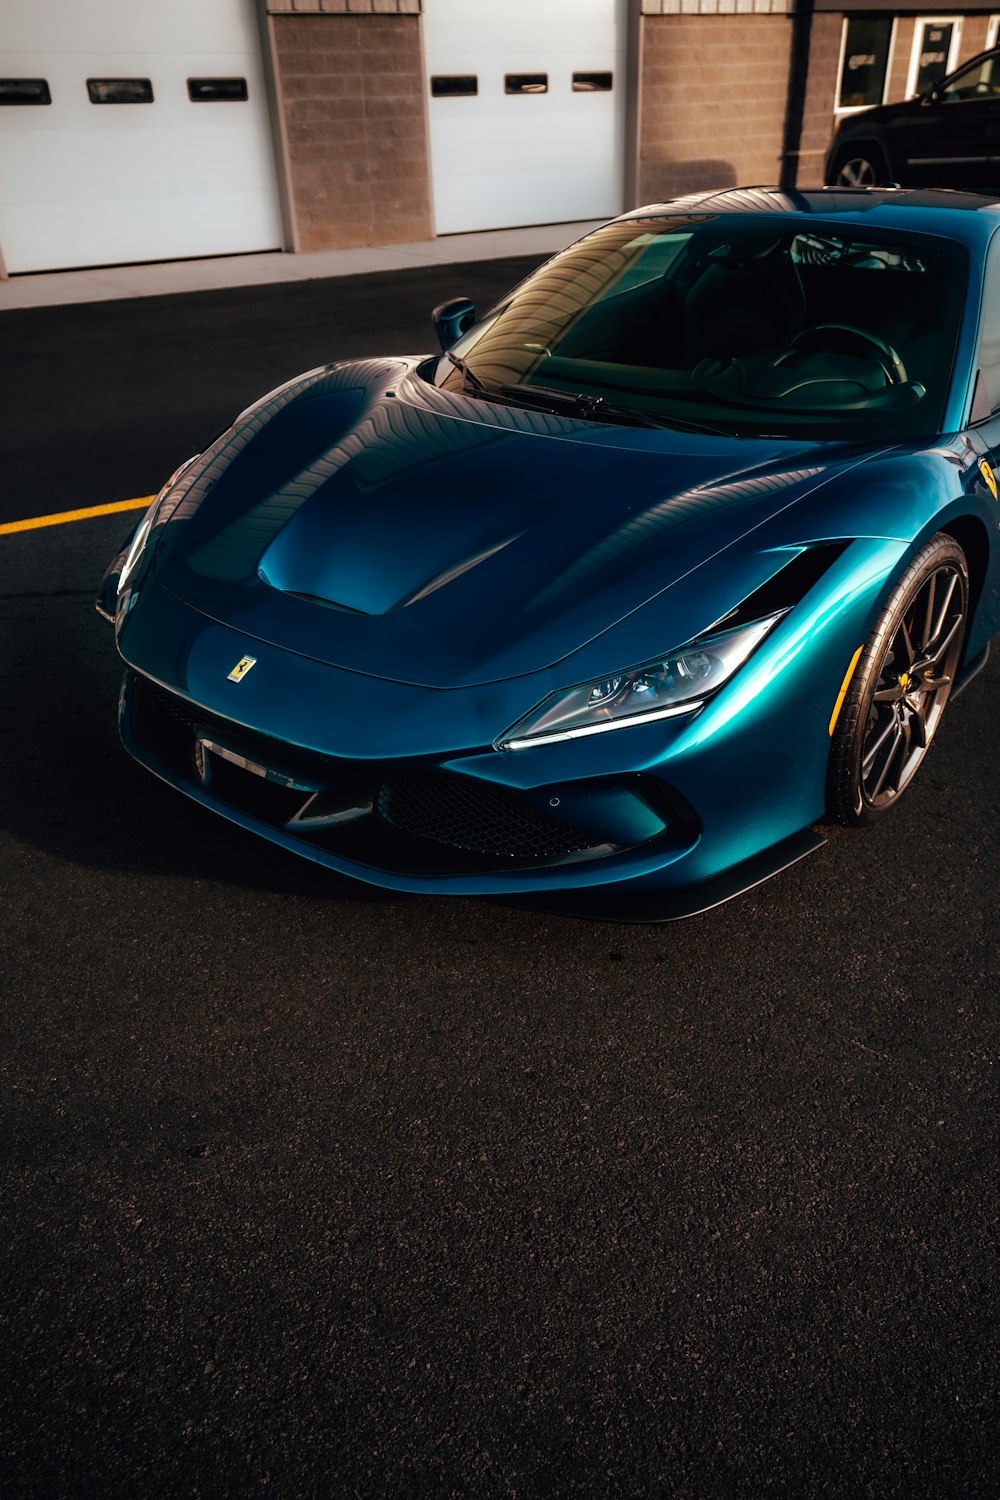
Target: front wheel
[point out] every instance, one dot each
(860, 167)
(900, 686)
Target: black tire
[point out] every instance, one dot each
(863, 165)
(900, 686)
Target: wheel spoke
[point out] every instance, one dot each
(943, 611)
(907, 644)
(927, 634)
(898, 739)
(933, 658)
(872, 750)
(917, 726)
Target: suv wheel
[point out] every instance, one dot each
(860, 167)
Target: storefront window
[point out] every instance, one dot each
(865, 63)
(934, 46)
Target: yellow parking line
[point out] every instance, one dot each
(75, 515)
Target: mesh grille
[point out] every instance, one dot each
(480, 818)
(423, 821)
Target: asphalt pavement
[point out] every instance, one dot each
(314, 1191)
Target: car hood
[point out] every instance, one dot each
(364, 518)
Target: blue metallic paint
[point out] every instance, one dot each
(488, 555)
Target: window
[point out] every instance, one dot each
(864, 63)
(120, 90)
(980, 81)
(988, 381)
(934, 47)
(24, 91)
(526, 83)
(216, 90)
(591, 83)
(993, 31)
(683, 317)
(457, 86)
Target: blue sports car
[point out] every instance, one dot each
(678, 551)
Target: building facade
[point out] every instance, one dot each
(323, 124)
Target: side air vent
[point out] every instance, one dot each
(790, 584)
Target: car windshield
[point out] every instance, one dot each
(748, 325)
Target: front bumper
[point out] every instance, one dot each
(651, 822)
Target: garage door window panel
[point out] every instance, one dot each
(592, 83)
(217, 90)
(526, 83)
(120, 90)
(458, 86)
(24, 91)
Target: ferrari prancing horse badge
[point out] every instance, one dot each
(241, 668)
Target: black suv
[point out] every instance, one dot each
(948, 137)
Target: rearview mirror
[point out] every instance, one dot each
(452, 319)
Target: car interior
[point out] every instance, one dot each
(725, 320)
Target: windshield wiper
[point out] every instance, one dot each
(470, 375)
(596, 408)
(578, 404)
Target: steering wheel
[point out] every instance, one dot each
(888, 358)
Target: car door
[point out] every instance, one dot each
(951, 137)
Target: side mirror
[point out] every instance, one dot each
(452, 319)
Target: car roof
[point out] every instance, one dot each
(970, 218)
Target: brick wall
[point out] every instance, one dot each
(351, 100)
(821, 98)
(973, 38)
(712, 110)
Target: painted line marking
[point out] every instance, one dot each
(63, 516)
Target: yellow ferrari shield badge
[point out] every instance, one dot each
(241, 668)
(989, 476)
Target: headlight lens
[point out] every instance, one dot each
(676, 684)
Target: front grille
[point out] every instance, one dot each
(413, 822)
(476, 817)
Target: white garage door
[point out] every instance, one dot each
(148, 149)
(526, 108)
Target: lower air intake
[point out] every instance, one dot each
(476, 817)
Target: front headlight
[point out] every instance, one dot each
(676, 684)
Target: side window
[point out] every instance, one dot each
(981, 81)
(988, 384)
